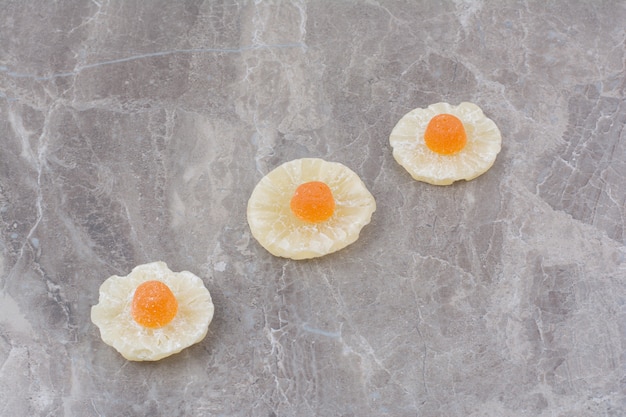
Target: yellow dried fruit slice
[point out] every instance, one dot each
(284, 233)
(114, 316)
(449, 161)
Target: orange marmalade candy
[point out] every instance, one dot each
(154, 305)
(313, 202)
(445, 134)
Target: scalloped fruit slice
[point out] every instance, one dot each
(444, 143)
(309, 207)
(152, 312)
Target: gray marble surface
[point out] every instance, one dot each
(135, 131)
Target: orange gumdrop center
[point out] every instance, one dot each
(154, 304)
(445, 134)
(313, 202)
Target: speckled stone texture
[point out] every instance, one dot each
(135, 131)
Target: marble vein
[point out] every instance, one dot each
(80, 68)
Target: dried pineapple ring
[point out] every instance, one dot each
(483, 143)
(135, 342)
(282, 233)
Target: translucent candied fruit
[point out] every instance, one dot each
(443, 143)
(152, 312)
(316, 230)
